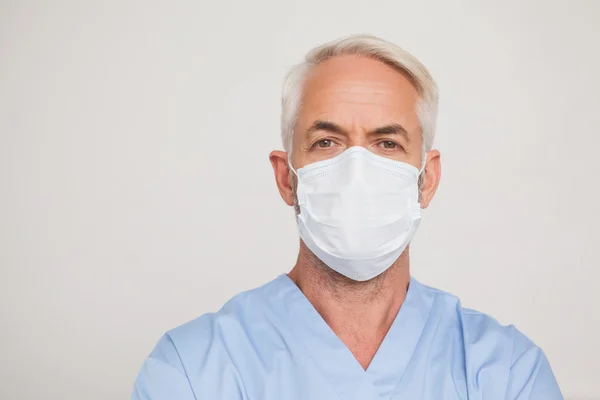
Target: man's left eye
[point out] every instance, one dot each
(388, 144)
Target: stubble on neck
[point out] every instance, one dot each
(359, 313)
(321, 283)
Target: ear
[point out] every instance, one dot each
(431, 177)
(279, 161)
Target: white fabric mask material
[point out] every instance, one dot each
(358, 211)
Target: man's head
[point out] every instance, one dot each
(358, 121)
(358, 91)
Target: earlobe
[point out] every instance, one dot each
(279, 162)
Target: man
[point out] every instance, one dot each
(348, 321)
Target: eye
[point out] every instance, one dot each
(324, 143)
(388, 144)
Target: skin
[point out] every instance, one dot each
(355, 101)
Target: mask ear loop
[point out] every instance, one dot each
(420, 177)
(290, 164)
(423, 164)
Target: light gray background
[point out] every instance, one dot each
(136, 192)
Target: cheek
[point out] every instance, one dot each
(294, 185)
(293, 182)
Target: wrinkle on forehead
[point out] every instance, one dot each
(362, 87)
(353, 70)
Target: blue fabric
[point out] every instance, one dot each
(271, 344)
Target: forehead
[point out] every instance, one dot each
(359, 91)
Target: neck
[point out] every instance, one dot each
(360, 313)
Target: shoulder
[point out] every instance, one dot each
(477, 328)
(198, 356)
(190, 343)
(497, 358)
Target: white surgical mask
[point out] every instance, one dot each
(358, 211)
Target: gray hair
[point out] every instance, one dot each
(366, 46)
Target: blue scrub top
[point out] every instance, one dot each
(271, 344)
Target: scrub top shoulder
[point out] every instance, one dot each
(270, 343)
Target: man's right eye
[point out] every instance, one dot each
(324, 143)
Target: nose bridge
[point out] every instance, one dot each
(356, 171)
(357, 136)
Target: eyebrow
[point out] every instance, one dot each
(392, 129)
(325, 126)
